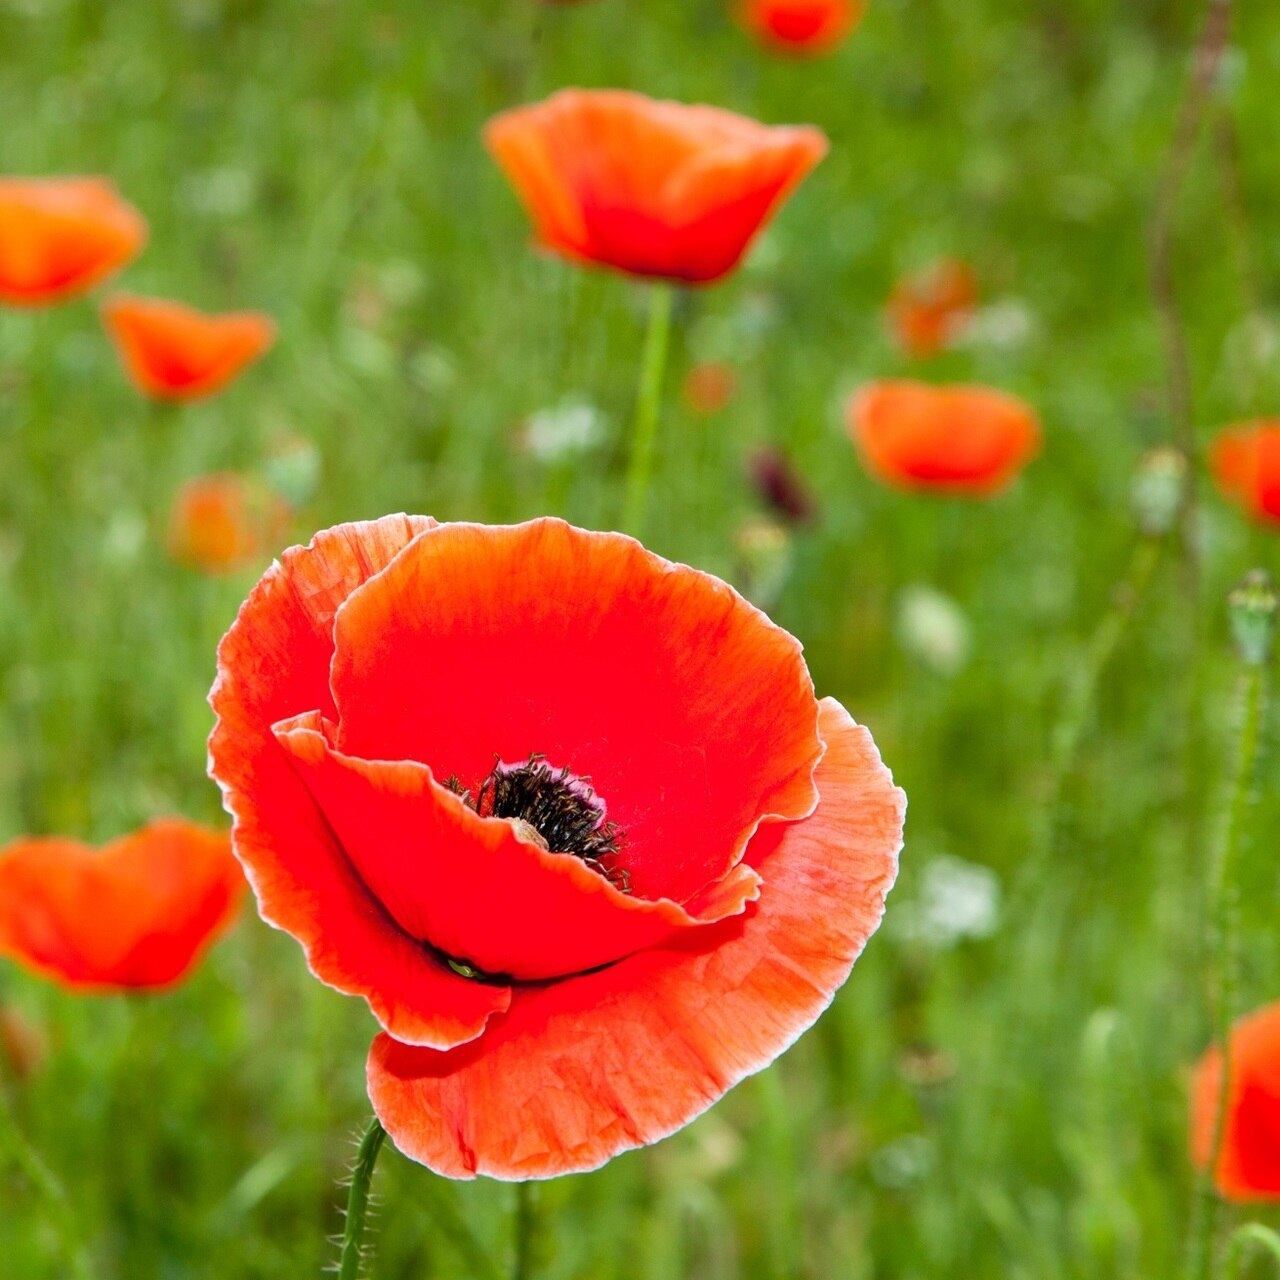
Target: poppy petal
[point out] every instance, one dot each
(720, 201)
(1249, 1163)
(173, 352)
(957, 439)
(558, 1085)
(800, 27)
(1246, 465)
(646, 187)
(468, 885)
(272, 664)
(139, 913)
(651, 679)
(61, 236)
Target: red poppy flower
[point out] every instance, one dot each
(222, 522)
(138, 913)
(802, 27)
(173, 352)
(958, 439)
(61, 236)
(928, 308)
(650, 188)
(566, 815)
(1249, 1168)
(1246, 465)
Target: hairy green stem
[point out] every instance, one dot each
(44, 1182)
(1224, 924)
(653, 365)
(352, 1255)
(526, 1231)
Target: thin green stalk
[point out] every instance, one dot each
(526, 1232)
(452, 1224)
(1253, 607)
(44, 1182)
(352, 1255)
(1080, 694)
(653, 365)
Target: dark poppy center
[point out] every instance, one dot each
(554, 808)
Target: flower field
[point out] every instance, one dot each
(579, 890)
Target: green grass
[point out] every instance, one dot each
(321, 159)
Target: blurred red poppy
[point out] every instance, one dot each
(1249, 1168)
(220, 523)
(407, 718)
(928, 308)
(709, 387)
(138, 913)
(649, 188)
(968, 440)
(802, 27)
(61, 236)
(1246, 464)
(173, 352)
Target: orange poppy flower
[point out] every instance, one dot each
(709, 387)
(61, 236)
(927, 308)
(138, 913)
(222, 522)
(1249, 1168)
(173, 352)
(803, 27)
(649, 188)
(568, 816)
(1246, 464)
(959, 439)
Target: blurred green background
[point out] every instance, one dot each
(999, 1090)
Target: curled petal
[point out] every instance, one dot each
(580, 1070)
(690, 712)
(468, 885)
(273, 664)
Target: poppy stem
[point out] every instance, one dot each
(648, 400)
(46, 1185)
(352, 1254)
(1082, 689)
(1252, 610)
(526, 1232)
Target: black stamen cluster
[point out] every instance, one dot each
(560, 807)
